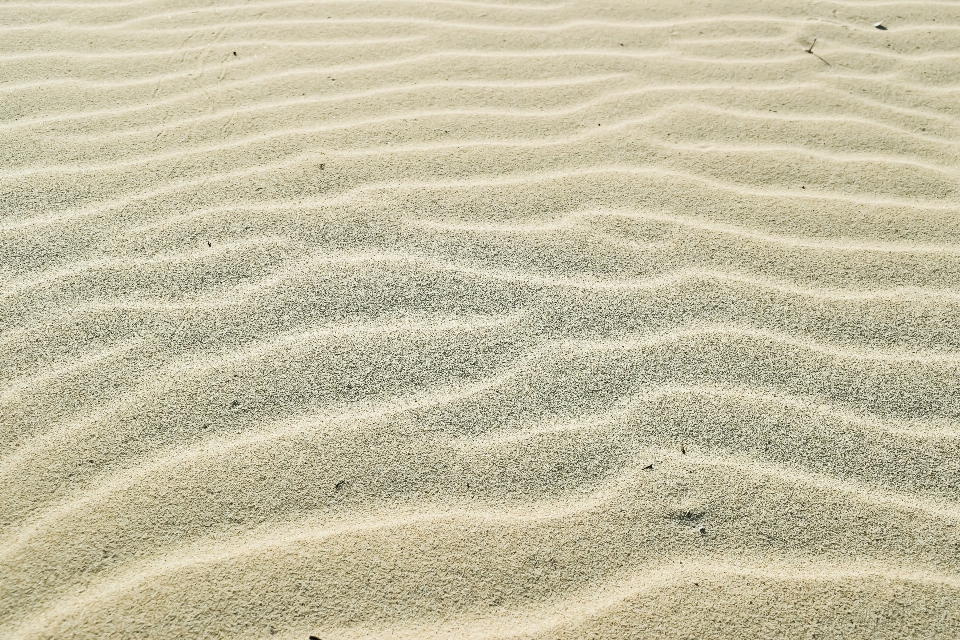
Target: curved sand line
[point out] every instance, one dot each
(352, 194)
(544, 142)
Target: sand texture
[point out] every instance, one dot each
(479, 319)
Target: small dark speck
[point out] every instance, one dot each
(683, 450)
(314, 638)
(803, 187)
(235, 403)
(259, 189)
(621, 44)
(880, 26)
(339, 485)
(234, 53)
(322, 165)
(702, 530)
(696, 584)
(208, 244)
(649, 467)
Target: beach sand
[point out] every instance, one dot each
(464, 319)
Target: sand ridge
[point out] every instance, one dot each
(456, 319)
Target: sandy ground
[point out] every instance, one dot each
(456, 319)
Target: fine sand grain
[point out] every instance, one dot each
(470, 319)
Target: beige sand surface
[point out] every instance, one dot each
(367, 319)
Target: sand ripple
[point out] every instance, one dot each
(457, 319)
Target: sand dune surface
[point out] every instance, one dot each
(469, 319)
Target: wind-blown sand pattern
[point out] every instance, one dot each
(455, 319)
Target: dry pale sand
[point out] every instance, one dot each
(367, 319)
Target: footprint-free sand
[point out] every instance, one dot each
(462, 319)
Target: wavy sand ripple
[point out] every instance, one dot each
(464, 319)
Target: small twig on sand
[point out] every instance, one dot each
(810, 51)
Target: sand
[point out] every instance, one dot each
(456, 319)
